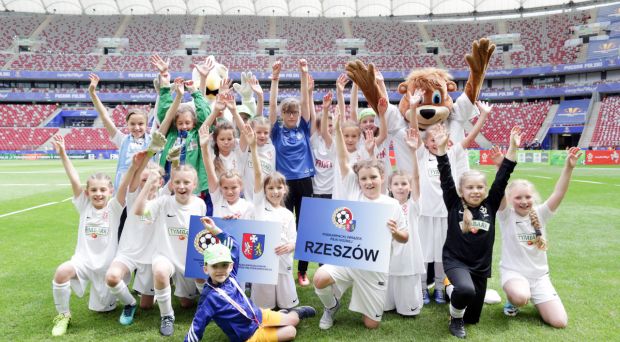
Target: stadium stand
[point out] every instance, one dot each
(24, 138)
(88, 138)
(607, 129)
(24, 115)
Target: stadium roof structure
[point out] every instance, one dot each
(297, 8)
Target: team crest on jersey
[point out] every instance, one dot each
(343, 219)
(253, 245)
(180, 233)
(203, 240)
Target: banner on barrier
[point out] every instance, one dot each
(604, 157)
(345, 233)
(257, 240)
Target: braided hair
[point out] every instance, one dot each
(468, 217)
(540, 240)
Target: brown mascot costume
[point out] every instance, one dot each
(437, 105)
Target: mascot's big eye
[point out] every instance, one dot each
(436, 97)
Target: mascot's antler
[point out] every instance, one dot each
(364, 77)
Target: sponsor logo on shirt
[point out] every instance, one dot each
(527, 238)
(95, 232)
(180, 232)
(433, 172)
(323, 164)
(477, 224)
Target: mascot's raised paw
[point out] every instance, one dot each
(478, 62)
(364, 77)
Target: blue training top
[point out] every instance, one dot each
(293, 153)
(213, 306)
(129, 147)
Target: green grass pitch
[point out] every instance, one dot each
(584, 258)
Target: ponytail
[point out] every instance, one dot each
(540, 240)
(468, 217)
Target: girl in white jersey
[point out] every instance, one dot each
(406, 263)
(269, 198)
(323, 152)
(97, 240)
(363, 182)
(225, 188)
(172, 215)
(524, 270)
(135, 249)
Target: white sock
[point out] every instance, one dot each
(449, 290)
(62, 295)
(326, 296)
(122, 293)
(423, 277)
(164, 300)
(456, 313)
(200, 287)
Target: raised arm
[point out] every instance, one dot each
(341, 150)
(516, 135)
(121, 192)
(485, 109)
(303, 71)
(327, 137)
(382, 107)
(273, 92)
(353, 101)
(74, 178)
(341, 82)
(250, 137)
(218, 110)
(311, 108)
(553, 202)
(260, 96)
(414, 102)
(165, 125)
(164, 86)
(450, 195)
(101, 110)
(413, 137)
(379, 80)
(207, 160)
(203, 70)
(140, 204)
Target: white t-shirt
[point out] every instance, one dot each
(397, 134)
(173, 226)
(97, 233)
(242, 209)
(138, 238)
(324, 164)
(267, 158)
(462, 110)
(266, 212)
(354, 193)
(339, 191)
(231, 162)
(519, 253)
(431, 195)
(382, 154)
(407, 257)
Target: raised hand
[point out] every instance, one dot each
(275, 70)
(204, 136)
(413, 138)
(341, 82)
(210, 226)
(255, 85)
(138, 157)
(382, 106)
(191, 87)
(59, 143)
(441, 139)
(496, 155)
(327, 99)
(416, 98)
(248, 134)
(369, 141)
(160, 64)
(94, 81)
(573, 155)
(244, 89)
(484, 107)
(179, 86)
(310, 84)
(205, 68)
(516, 135)
(303, 65)
(220, 103)
(225, 86)
(229, 100)
(174, 155)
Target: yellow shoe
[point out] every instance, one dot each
(61, 322)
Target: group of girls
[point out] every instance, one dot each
(259, 168)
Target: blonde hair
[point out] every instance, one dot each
(99, 176)
(260, 121)
(369, 164)
(468, 217)
(277, 179)
(184, 168)
(540, 241)
(230, 174)
(351, 124)
(186, 107)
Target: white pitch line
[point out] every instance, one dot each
(67, 199)
(27, 209)
(33, 184)
(585, 181)
(543, 177)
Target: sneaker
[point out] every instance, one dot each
(61, 322)
(167, 326)
(127, 314)
(439, 296)
(510, 310)
(426, 297)
(304, 311)
(327, 320)
(302, 279)
(457, 327)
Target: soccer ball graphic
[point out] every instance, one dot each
(203, 240)
(343, 219)
(343, 216)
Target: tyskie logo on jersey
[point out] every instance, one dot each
(343, 219)
(253, 245)
(180, 232)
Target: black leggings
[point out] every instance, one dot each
(298, 188)
(468, 292)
